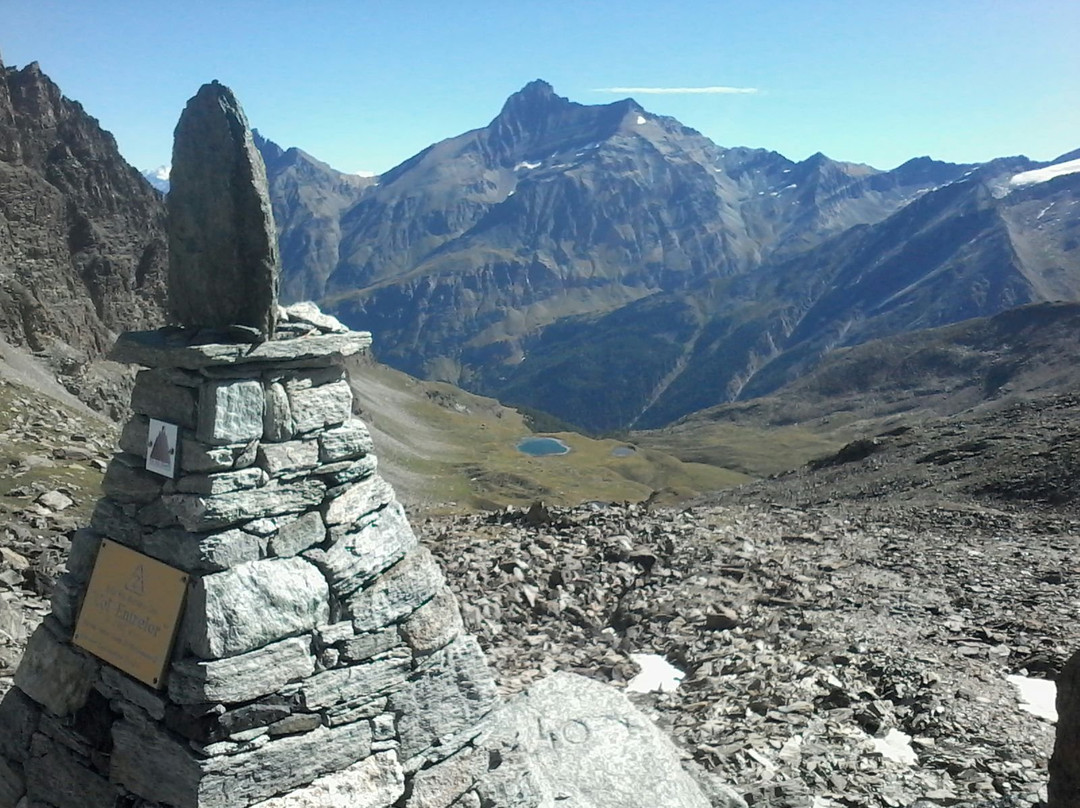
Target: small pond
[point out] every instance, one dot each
(539, 447)
(623, 451)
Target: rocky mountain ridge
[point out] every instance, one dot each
(308, 197)
(82, 242)
(563, 245)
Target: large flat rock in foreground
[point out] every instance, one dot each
(581, 743)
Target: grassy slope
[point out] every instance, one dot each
(32, 428)
(755, 451)
(446, 449)
(883, 384)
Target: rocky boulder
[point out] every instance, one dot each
(575, 741)
(1064, 788)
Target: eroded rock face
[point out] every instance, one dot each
(1064, 788)
(223, 256)
(82, 235)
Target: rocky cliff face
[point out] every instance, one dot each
(82, 240)
(308, 198)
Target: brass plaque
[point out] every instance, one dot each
(131, 610)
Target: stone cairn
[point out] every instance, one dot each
(320, 659)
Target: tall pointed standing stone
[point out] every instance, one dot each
(223, 255)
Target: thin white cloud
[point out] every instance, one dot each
(679, 90)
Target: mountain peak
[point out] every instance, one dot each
(269, 149)
(537, 87)
(531, 103)
(536, 120)
(527, 115)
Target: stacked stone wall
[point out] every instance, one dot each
(317, 635)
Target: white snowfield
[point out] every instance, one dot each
(657, 675)
(1047, 173)
(1036, 696)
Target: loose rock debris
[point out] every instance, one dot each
(809, 636)
(832, 656)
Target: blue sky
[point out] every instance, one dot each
(365, 85)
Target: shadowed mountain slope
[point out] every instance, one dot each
(971, 248)
(82, 239)
(976, 369)
(308, 197)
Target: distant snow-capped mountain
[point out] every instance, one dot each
(158, 177)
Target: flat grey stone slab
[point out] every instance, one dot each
(356, 682)
(230, 412)
(434, 625)
(444, 701)
(19, 716)
(55, 674)
(288, 457)
(307, 312)
(171, 348)
(355, 558)
(151, 763)
(397, 593)
(12, 785)
(293, 537)
(439, 785)
(197, 457)
(203, 552)
(198, 513)
(278, 423)
(358, 501)
(358, 647)
(375, 782)
(127, 481)
(66, 601)
(157, 395)
(316, 408)
(242, 677)
(57, 777)
(222, 483)
(115, 684)
(351, 439)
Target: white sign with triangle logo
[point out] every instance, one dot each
(161, 448)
